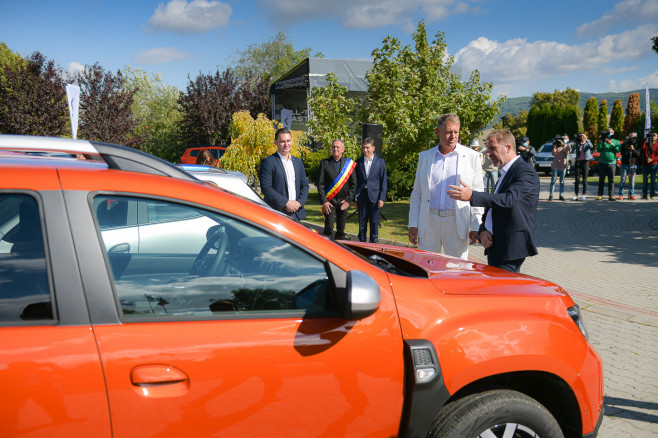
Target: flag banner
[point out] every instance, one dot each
(286, 118)
(647, 118)
(73, 96)
(341, 179)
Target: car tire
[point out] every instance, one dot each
(495, 413)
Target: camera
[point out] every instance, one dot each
(605, 135)
(580, 138)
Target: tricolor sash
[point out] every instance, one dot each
(341, 178)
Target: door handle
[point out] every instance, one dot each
(159, 380)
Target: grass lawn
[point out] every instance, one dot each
(394, 227)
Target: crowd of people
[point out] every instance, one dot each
(461, 195)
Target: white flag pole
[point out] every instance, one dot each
(647, 112)
(73, 96)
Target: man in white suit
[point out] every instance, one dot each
(436, 222)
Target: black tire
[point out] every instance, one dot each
(494, 413)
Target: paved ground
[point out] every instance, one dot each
(606, 255)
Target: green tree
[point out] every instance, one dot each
(557, 98)
(591, 117)
(655, 43)
(571, 125)
(252, 139)
(409, 87)
(534, 125)
(602, 120)
(517, 123)
(270, 59)
(633, 114)
(156, 110)
(9, 59)
(617, 118)
(639, 124)
(33, 98)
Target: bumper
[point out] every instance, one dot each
(595, 432)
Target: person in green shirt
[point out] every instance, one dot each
(607, 148)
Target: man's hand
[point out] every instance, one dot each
(380, 204)
(326, 208)
(344, 205)
(460, 193)
(413, 235)
(486, 238)
(473, 236)
(292, 206)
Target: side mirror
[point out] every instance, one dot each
(363, 295)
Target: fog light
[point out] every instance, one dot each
(425, 374)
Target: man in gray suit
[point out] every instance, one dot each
(437, 222)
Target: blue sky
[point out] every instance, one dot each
(520, 46)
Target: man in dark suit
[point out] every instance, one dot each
(283, 179)
(508, 229)
(371, 181)
(336, 187)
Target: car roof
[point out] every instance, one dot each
(230, 180)
(114, 156)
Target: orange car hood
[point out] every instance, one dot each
(452, 275)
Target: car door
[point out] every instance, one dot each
(248, 343)
(50, 374)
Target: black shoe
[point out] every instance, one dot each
(550, 198)
(562, 198)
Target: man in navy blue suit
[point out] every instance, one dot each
(370, 190)
(283, 179)
(508, 229)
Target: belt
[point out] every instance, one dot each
(442, 213)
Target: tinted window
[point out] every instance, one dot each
(24, 288)
(199, 263)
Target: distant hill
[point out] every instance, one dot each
(515, 104)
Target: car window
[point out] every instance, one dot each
(195, 152)
(203, 264)
(217, 153)
(24, 288)
(546, 147)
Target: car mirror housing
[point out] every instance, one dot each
(363, 295)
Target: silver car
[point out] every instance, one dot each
(544, 158)
(230, 180)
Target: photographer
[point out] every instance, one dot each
(649, 158)
(607, 148)
(559, 165)
(527, 152)
(583, 150)
(630, 157)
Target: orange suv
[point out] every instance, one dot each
(136, 300)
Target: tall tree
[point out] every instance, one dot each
(557, 98)
(534, 125)
(655, 43)
(211, 100)
(602, 120)
(270, 59)
(156, 110)
(105, 107)
(591, 118)
(617, 118)
(633, 114)
(639, 124)
(409, 87)
(33, 98)
(517, 123)
(572, 125)
(8, 59)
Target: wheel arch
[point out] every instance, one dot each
(548, 389)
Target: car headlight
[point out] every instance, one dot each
(574, 313)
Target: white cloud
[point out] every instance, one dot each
(197, 16)
(74, 67)
(519, 60)
(365, 14)
(161, 55)
(634, 83)
(626, 13)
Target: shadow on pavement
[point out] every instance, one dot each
(618, 408)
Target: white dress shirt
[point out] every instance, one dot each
(290, 176)
(444, 174)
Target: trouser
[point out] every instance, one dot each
(337, 215)
(554, 174)
(368, 214)
(490, 179)
(630, 171)
(606, 171)
(509, 265)
(649, 172)
(441, 236)
(582, 172)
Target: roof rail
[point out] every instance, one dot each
(115, 156)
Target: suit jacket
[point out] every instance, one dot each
(274, 186)
(469, 166)
(328, 173)
(375, 183)
(513, 209)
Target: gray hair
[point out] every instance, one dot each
(445, 118)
